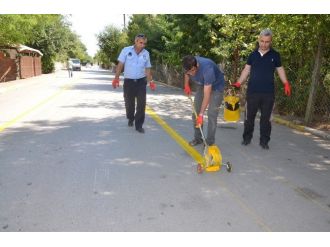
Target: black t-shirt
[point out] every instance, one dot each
(262, 71)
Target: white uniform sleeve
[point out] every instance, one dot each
(148, 64)
(122, 56)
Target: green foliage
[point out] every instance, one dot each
(15, 29)
(229, 39)
(110, 41)
(51, 34)
(154, 27)
(48, 64)
(296, 37)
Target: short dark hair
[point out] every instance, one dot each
(188, 62)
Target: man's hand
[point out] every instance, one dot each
(199, 121)
(152, 85)
(287, 89)
(236, 84)
(115, 83)
(187, 89)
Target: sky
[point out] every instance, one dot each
(88, 26)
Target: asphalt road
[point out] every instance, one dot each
(69, 162)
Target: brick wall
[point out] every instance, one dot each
(7, 69)
(30, 66)
(27, 68)
(37, 66)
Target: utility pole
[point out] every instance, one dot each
(124, 21)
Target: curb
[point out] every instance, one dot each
(287, 123)
(302, 128)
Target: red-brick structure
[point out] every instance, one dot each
(19, 62)
(8, 69)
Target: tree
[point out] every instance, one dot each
(111, 41)
(51, 34)
(15, 29)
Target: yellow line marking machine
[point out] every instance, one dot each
(212, 160)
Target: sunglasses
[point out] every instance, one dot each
(140, 36)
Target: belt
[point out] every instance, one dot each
(135, 80)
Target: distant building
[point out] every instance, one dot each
(19, 62)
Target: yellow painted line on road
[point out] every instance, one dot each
(33, 108)
(181, 141)
(199, 159)
(246, 208)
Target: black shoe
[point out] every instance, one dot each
(140, 130)
(195, 142)
(246, 142)
(264, 146)
(130, 123)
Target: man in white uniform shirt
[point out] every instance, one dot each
(137, 73)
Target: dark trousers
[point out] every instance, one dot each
(265, 103)
(135, 89)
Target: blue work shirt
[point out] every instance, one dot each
(134, 64)
(262, 71)
(209, 73)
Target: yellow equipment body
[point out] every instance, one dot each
(213, 159)
(231, 108)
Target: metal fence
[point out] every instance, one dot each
(292, 108)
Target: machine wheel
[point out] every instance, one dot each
(199, 168)
(228, 166)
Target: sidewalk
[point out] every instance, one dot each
(302, 128)
(19, 83)
(277, 119)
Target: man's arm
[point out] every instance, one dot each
(206, 98)
(244, 74)
(119, 69)
(148, 74)
(281, 74)
(186, 80)
(187, 89)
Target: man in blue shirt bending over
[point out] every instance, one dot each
(209, 81)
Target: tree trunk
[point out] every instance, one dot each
(315, 82)
(235, 74)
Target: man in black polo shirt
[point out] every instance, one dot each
(261, 65)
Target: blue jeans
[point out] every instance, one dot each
(212, 113)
